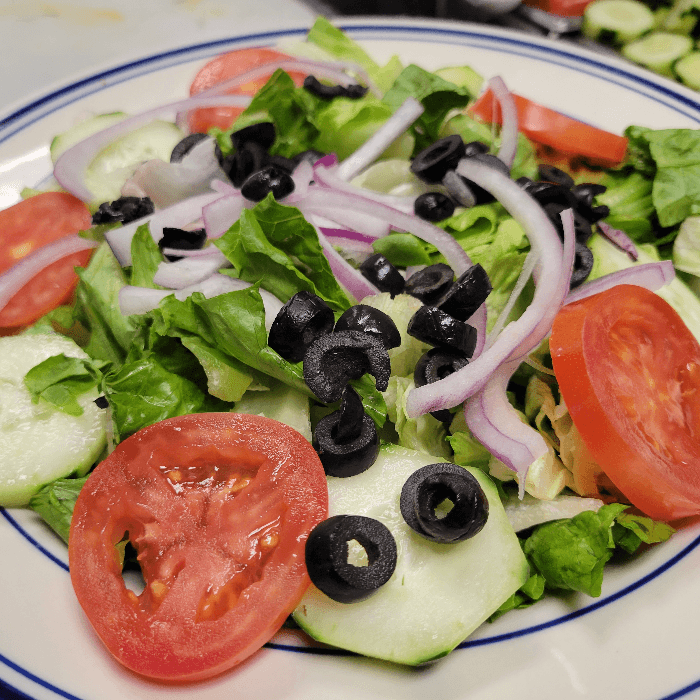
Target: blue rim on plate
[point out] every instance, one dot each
(676, 98)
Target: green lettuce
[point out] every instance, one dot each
(55, 503)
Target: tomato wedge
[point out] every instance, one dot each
(26, 227)
(218, 507)
(629, 372)
(225, 67)
(556, 130)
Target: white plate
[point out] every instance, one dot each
(638, 640)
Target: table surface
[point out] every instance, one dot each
(46, 42)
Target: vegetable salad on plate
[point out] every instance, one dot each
(368, 350)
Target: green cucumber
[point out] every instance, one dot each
(658, 51)
(688, 70)
(439, 593)
(82, 130)
(40, 443)
(616, 21)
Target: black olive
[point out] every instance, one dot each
(524, 182)
(582, 227)
(282, 163)
(382, 274)
(181, 240)
(475, 147)
(480, 194)
(124, 209)
(101, 402)
(185, 146)
(586, 192)
(433, 162)
(435, 327)
(437, 364)
(429, 487)
(370, 320)
(551, 193)
(583, 264)
(270, 179)
(327, 557)
(242, 163)
(550, 173)
(329, 92)
(433, 206)
(467, 294)
(346, 440)
(430, 283)
(336, 358)
(262, 134)
(355, 91)
(309, 155)
(303, 319)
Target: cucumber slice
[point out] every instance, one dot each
(688, 69)
(438, 594)
(658, 51)
(616, 21)
(82, 130)
(39, 443)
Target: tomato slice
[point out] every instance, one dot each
(218, 507)
(27, 226)
(629, 372)
(556, 130)
(225, 67)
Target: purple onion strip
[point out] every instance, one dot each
(619, 238)
(509, 121)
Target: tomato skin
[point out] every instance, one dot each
(219, 506)
(26, 227)
(225, 67)
(557, 131)
(629, 372)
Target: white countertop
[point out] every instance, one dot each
(45, 43)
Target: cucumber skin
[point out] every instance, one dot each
(38, 443)
(422, 613)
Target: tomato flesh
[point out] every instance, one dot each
(218, 507)
(629, 372)
(26, 227)
(557, 131)
(225, 67)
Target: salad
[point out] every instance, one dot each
(158, 367)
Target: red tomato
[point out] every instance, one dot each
(556, 130)
(629, 372)
(27, 226)
(225, 67)
(219, 507)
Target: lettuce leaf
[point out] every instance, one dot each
(55, 503)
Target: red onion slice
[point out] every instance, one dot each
(189, 270)
(70, 167)
(222, 213)
(651, 276)
(497, 425)
(381, 139)
(619, 238)
(331, 217)
(177, 216)
(12, 280)
(518, 335)
(509, 121)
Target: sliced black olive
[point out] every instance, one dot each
(185, 146)
(435, 327)
(431, 164)
(480, 194)
(282, 163)
(433, 206)
(335, 359)
(329, 92)
(466, 294)
(370, 320)
(430, 283)
(586, 192)
(551, 173)
(346, 440)
(101, 402)
(583, 264)
(582, 227)
(551, 193)
(524, 182)
(355, 91)
(124, 209)
(430, 490)
(270, 179)
(382, 274)
(181, 240)
(303, 319)
(262, 133)
(327, 557)
(249, 158)
(475, 147)
(437, 364)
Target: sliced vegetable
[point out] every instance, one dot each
(629, 372)
(658, 51)
(617, 21)
(218, 507)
